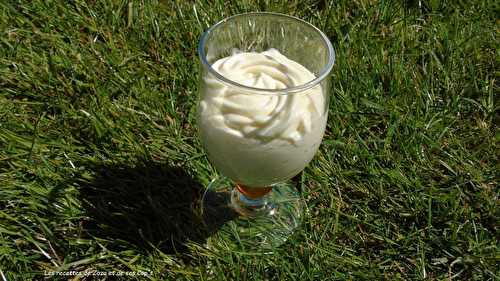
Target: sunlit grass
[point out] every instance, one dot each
(101, 169)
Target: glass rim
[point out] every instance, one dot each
(299, 88)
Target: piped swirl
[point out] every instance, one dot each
(246, 114)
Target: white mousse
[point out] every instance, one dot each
(259, 138)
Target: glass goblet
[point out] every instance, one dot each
(262, 112)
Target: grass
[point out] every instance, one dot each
(101, 168)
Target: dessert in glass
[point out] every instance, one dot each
(262, 112)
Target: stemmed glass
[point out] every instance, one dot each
(262, 112)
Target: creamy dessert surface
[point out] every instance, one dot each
(258, 138)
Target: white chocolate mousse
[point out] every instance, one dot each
(258, 138)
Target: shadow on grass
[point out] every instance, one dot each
(150, 206)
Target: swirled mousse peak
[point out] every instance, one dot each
(247, 112)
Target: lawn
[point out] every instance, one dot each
(101, 167)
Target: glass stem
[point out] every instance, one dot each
(250, 201)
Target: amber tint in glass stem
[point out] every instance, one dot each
(253, 192)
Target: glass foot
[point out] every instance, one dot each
(255, 225)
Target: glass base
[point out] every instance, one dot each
(250, 225)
